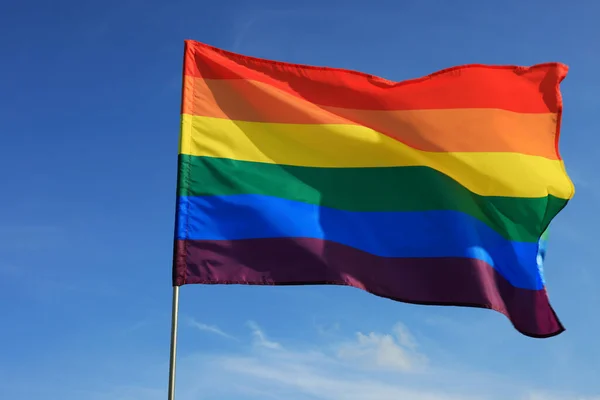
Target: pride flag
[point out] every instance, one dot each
(436, 190)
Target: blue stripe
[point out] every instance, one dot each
(386, 234)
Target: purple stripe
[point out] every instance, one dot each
(435, 281)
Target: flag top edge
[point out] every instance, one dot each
(562, 69)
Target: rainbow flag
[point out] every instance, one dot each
(436, 190)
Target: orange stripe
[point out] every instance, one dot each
(520, 89)
(458, 130)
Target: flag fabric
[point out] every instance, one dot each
(435, 190)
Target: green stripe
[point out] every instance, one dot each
(368, 189)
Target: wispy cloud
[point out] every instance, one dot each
(260, 338)
(557, 396)
(341, 371)
(327, 329)
(136, 326)
(396, 351)
(300, 376)
(295, 371)
(209, 328)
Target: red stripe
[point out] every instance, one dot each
(520, 89)
(436, 281)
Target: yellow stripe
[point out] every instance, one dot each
(329, 146)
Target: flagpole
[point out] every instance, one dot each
(173, 357)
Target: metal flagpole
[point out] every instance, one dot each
(173, 358)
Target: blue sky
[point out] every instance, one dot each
(89, 117)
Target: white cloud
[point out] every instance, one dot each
(342, 371)
(209, 328)
(405, 338)
(135, 327)
(260, 338)
(316, 376)
(327, 329)
(557, 396)
(269, 370)
(387, 351)
(337, 372)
